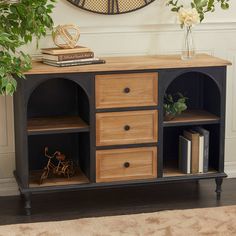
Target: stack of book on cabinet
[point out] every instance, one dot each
(70, 57)
(194, 151)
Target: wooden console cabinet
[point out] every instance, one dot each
(109, 119)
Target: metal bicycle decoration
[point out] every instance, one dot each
(63, 167)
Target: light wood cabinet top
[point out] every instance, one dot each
(133, 63)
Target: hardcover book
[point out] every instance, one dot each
(59, 51)
(194, 138)
(74, 63)
(184, 155)
(206, 135)
(201, 153)
(68, 57)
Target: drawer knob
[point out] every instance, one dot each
(127, 90)
(126, 127)
(126, 164)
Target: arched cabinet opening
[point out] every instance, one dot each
(191, 141)
(58, 119)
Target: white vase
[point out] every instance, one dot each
(188, 48)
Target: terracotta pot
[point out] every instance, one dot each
(169, 117)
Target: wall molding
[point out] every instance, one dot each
(155, 28)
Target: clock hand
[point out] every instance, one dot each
(113, 6)
(79, 2)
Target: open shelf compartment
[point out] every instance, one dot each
(58, 118)
(57, 106)
(75, 146)
(203, 110)
(203, 99)
(171, 150)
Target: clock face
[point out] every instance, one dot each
(111, 7)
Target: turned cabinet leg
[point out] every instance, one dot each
(27, 197)
(21, 195)
(218, 191)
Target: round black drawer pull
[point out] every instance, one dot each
(126, 127)
(126, 164)
(127, 90)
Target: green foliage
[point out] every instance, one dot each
(20, 21)
(202, 6)
(174, 105)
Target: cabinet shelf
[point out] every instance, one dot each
(53, 125)
(174, 172)
(79, 178)
(193, 117)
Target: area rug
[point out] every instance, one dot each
(219, 221)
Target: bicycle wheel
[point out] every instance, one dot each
(44, 175)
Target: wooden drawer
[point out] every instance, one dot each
(114, 128)
(126, 164)
(126, 90)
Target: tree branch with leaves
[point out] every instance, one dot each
(20, 22)
(202, 6)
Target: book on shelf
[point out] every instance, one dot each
(206, 135)
(184, 155)
(68, 56)
(60, 51)
(194, 138)
(201, 153)
(74, 61)
(78, 62)
(198, 138)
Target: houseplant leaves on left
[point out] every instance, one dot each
(20, 22)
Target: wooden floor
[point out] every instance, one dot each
(89, 203)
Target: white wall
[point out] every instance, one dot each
(150, 30)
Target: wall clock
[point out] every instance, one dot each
(111, 7)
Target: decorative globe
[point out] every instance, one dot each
(66, 36)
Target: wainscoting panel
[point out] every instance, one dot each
(6, 125)
(3, 123)
(7, 161)
(233, 90)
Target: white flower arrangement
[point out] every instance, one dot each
(199, 8)
(188, 17)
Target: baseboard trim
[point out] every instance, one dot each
(230, 169)
(8, 187)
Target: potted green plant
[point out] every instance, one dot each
(20, 22)
(174, 105)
